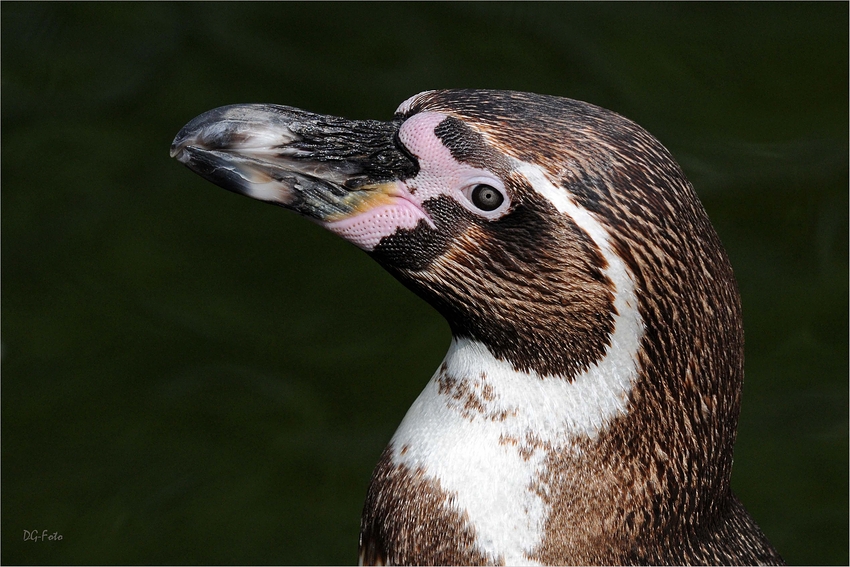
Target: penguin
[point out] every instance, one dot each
(586, 410)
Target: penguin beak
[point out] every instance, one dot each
(332, 170)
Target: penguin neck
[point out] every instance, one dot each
(487, 435)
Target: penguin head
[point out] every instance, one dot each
(552, 231)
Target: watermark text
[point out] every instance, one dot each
(41, 535)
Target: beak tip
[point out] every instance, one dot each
(180, 142)
(178, 151)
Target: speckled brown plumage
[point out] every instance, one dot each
(654, 487)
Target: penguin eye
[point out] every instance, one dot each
(486, 198)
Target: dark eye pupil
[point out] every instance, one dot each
(486, 198)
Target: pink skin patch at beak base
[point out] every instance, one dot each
(366, 229)
(398, 205)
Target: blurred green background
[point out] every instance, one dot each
(189, 376)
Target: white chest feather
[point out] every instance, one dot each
(482, 430)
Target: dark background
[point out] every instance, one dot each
(189, 376)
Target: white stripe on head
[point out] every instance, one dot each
(483, 429)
